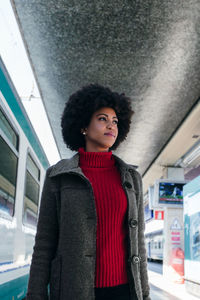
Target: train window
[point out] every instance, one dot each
(31, 197)
(8, 176)
(32, 167)
(8, 130)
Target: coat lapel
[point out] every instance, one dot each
(72, 165)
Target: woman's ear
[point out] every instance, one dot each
(83, 131)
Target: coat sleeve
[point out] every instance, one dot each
(141, 244)
(45, 244)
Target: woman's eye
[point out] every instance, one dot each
(105, 119)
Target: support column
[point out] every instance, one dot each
(173, 255)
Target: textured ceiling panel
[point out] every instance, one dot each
(147, 49)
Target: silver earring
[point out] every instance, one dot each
(84, 133)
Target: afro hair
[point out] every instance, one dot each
(80, 107)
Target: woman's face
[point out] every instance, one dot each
(102, 131)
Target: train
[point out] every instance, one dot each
(154, 245)
(23, 165)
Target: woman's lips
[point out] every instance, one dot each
(109, 134)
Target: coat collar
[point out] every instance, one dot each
(72, 166)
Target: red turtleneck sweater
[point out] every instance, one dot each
(111, 208)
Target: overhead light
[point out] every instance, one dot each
(189, 157)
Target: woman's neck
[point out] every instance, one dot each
(95, 159)
(95, 148)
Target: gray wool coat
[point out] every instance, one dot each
(65, 244)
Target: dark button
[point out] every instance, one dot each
(133, 223)
(135, 259)
(128, 184)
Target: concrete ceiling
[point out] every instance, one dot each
(148, 49)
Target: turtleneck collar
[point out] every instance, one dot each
(95, 159)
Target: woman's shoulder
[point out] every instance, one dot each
(137, 178)
(60, 163)
(63, 166)
(129, 167)
(133, 169)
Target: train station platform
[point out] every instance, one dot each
(162, 289)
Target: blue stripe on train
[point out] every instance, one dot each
(15, 268)
(15, 289)
(6, 263)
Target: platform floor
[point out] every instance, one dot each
(162, 289)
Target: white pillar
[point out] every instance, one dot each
(173, 254)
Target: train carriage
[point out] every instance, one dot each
(23, 164)
(154, 245)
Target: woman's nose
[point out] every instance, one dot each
(110, 124)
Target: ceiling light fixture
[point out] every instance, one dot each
(189, 157)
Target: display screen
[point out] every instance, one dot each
(171, 193)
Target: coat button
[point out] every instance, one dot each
(135, 259)
(133, 223)
(128, 184)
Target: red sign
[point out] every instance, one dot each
(159, 214)
(176, 238)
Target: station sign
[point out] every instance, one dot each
(159, 214)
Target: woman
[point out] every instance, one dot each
(90, 235)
